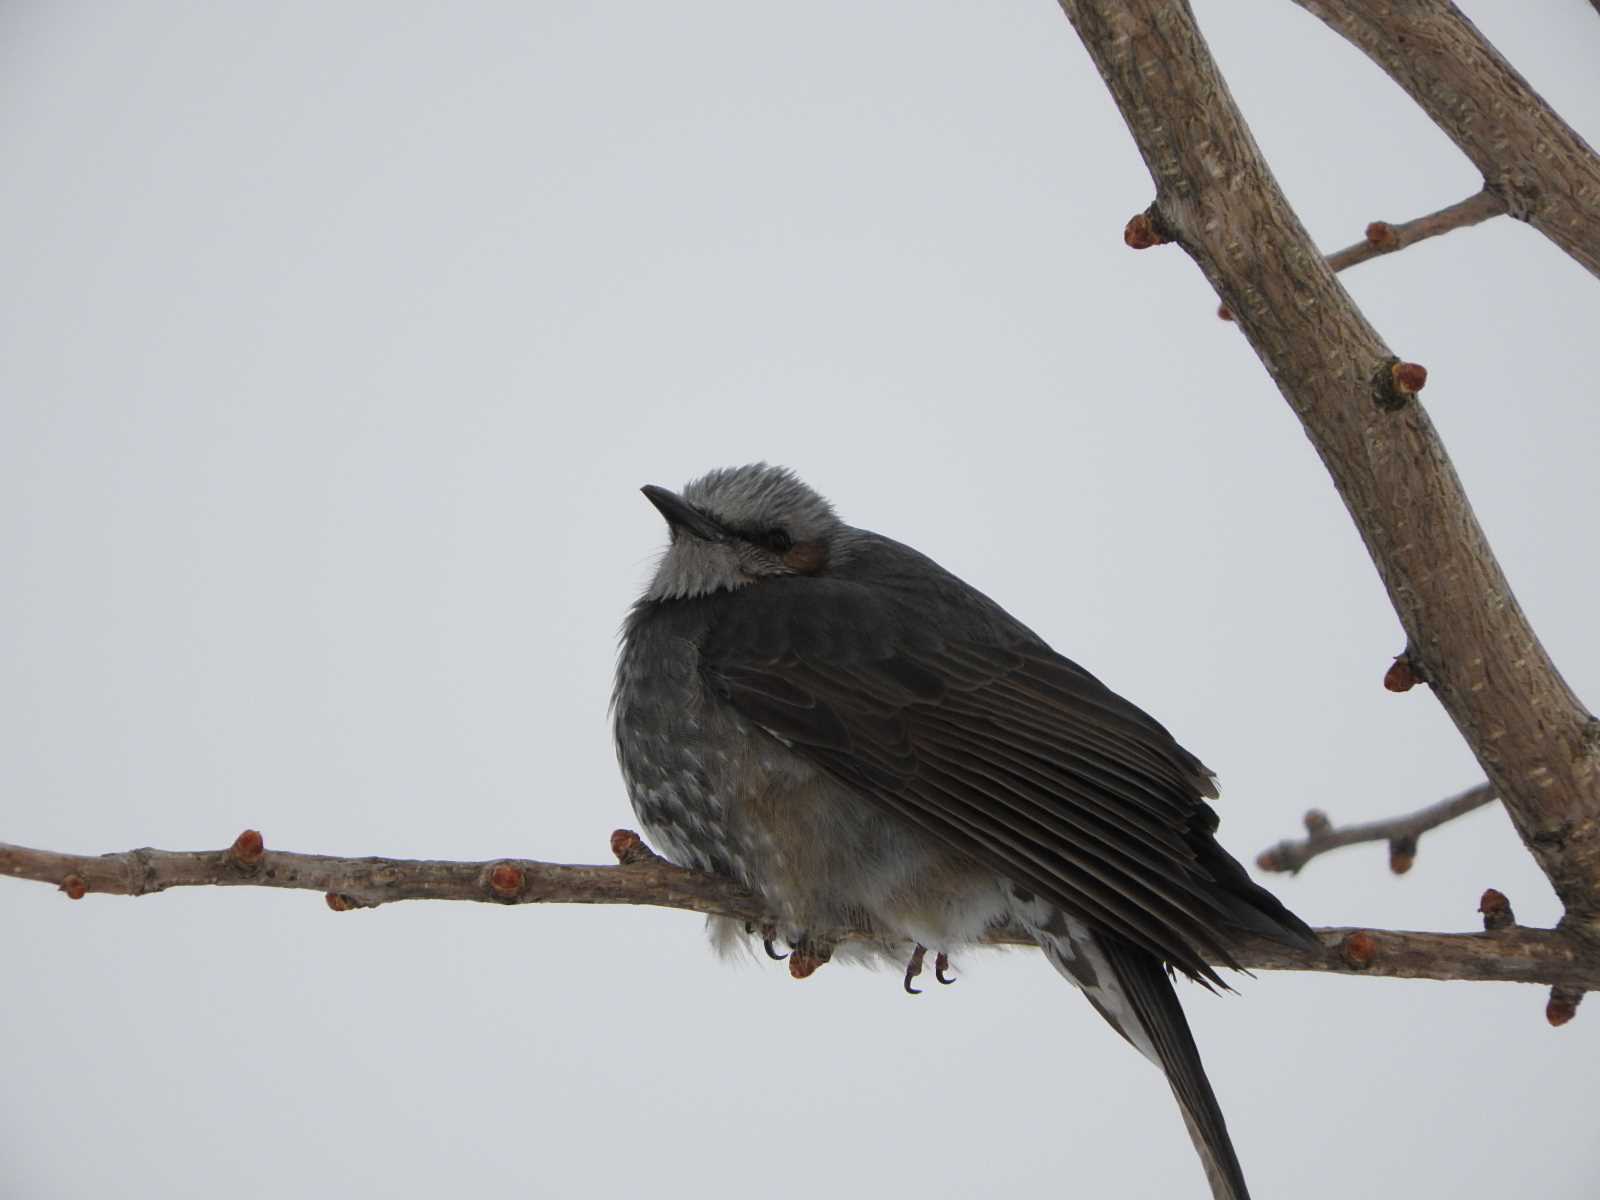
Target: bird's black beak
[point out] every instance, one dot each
(680, 514)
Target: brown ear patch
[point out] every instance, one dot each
(806, 558)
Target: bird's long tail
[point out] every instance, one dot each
(1132, 990)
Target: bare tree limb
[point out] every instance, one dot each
(1384, 238)
(1467, 635)
(1513, 954)
(1547, 175)
(367, 882)
(1401, 833)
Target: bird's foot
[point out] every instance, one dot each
(941, 964)
(769, 935)
(914, 968)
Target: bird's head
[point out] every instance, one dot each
(740, 525)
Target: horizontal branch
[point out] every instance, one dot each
(1400, 832)
(1383, 238)
(1513, 954)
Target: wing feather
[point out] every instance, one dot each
(991, 742)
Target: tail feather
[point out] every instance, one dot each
(1131, 989)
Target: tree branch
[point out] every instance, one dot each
(1513, 954)
(1547, 175)
(1401, 833)
(1467, 634)
(1384, 238)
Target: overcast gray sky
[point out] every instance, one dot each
(335, 341)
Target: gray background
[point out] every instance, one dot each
(334, 343)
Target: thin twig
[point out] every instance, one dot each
(1384, 238)
(1515, 954)
(1400, 832)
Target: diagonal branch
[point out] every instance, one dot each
(1546, 174)
(1466, 633)
(1512, 954)
(1400, 832)
(1383, 238)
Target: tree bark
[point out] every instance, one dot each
(1467, 634)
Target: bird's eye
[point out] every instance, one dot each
(777, 540)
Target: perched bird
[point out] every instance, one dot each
(868, 743)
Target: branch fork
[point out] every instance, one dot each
(1402, 833)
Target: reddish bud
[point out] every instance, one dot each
(1380, 233)
(1496, 910)
(629, 848)
(1401, 675)
(74, 887)
(1224, 313)
(1402, 853)
(339, 903)
(247, 848)
(1267, 860)
(507, 880)
(1563, 1005)
(803, 966)
(1409, 378)
(1141, 233)
(1316, 822)
(1358, 949)
(1395, 383)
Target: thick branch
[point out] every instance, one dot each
(1514, 955)
(1467, 634)
(1384, 238)
(1531, 158)
(1400, 832)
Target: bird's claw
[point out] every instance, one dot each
(914, 968)
(941, 964)
(769, 934)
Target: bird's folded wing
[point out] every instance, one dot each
(991, 742)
